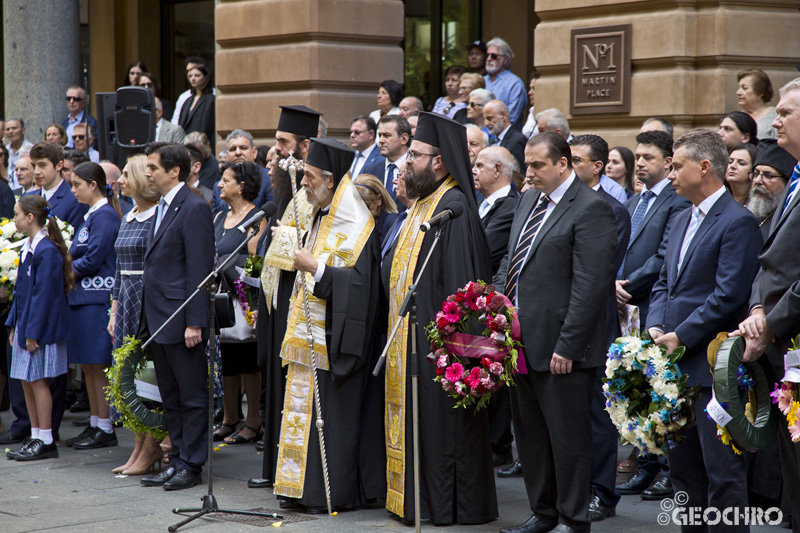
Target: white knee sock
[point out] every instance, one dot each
(46, 436)
(93, 421)
(34, 433)
(105, 424)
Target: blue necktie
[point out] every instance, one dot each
(792, 186)
(162, 206)
(390, 178)
(524, 244)
(636, 220)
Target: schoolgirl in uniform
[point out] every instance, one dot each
(38, 320)
(94, 261)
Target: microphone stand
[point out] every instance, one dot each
(410, 306)
(209, 284)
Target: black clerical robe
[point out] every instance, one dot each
(456, 476)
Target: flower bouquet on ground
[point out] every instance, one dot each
(786, 393)
(646, 395)
(471, 367)
(247, 288)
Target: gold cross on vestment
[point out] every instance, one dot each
(335, 252)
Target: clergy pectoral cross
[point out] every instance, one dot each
(344, 255)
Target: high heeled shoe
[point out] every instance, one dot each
(150, 455)
(134, 455)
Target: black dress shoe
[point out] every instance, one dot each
(259, 445)
(290, 503)
(38, 450)
(183, 479)
(13, 437)
(500, 459)
(659, 489)
(158, 479)
(258, 483)
(514, 471)
(639, 481)
(14, 454)
(83, 435)
(599, 511)
(533, 525)
(100, 439)
(562, 528)
(79, 406)
(82, 421)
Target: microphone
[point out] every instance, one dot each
(267, 210)
(454, 210)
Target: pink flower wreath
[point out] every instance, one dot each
(470, 367)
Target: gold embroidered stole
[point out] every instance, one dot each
(280, 255)
(339, 241)
(402, 275)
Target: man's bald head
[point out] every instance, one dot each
(409, 105)
(495, 116)
(113, 173)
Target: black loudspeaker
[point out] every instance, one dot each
(135, 117)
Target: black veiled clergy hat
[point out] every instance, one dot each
(451, 138)
(769, 153)
(331, 155)
(299, 120)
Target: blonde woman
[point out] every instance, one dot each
(379, 202)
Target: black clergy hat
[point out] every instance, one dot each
(299, 120)
(331, 155)
(451, 138)
(769, 153)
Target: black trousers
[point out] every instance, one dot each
(605, 439)
(553, 429)
(182, 375)
(709, 472)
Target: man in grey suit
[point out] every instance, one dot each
(166, 131)
(495, 116)
(775, 298)
(557, 272)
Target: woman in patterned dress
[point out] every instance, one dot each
(131, 244)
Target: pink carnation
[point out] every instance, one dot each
(454, 372)
(496, 368)
(460, 388)
(783, 396)
(442, 361)
(481, 303)
(447, 386)
(448, 330)
(502, 322)
(498, 338)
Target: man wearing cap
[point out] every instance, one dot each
(456, 482)
(297, 124)
(476, 58)
(774, 300)
(771, 172)
(339, 265)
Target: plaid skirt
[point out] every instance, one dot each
(46, 362)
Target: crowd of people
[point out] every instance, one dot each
(586, 240)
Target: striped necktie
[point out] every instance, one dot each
(636, 221)
(792, 186)
(524, 244)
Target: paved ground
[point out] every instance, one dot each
(77, 492)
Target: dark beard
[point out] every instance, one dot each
(282, 186)
(422, 184)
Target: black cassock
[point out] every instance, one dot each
(456, 476)
(350, 316)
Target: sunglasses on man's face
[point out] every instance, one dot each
(74, 99)
(494, 56)
(78, 137)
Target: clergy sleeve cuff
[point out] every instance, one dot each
(320, 271)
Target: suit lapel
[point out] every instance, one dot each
(525, 206)
(681, 224)
(558, 211)
(710, 219)
(777, 221)
(169, 215)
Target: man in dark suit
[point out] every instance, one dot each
(495, 116)
(703, 288)
(589, 156)
(363, 132)
(242, 149)
(652, 212)
(180, 255)
(394, 138)
(775, 300)
(558, 270)
(76, 104)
